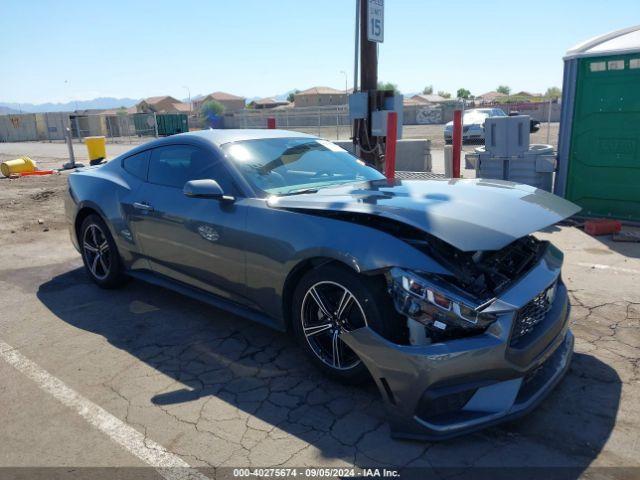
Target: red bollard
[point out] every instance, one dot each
(457, 143)
(271, 122)
(390, 149)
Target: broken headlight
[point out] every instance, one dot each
(442, 312)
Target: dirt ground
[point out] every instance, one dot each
(199, 387)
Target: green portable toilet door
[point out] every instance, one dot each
(604, 159)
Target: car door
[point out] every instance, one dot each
(134, 172)
(197, 241)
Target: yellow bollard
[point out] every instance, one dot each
(96, 148)
(19, 165)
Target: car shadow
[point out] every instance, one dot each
(628, 249)
(212, 353)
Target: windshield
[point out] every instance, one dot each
(479, 116)
(281, 166)
(475, 116)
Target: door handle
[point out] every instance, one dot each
(142, 206)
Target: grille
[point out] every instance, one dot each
(533, 313)
(406, 175)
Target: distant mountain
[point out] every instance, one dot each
(281, 97)
(284, 96)
(102, 103)
(7, 110)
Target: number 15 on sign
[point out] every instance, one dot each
(375, 20)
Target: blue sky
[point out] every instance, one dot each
(64, 50)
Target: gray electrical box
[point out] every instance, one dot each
(379, 117)
(379, 123)
(507, 136)
(396, 103)
(534, 167)
(358, 105)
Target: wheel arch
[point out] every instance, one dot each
(296, 273)
(83, 212)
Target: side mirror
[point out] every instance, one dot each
(205, 189)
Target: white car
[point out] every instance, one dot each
(473, 124)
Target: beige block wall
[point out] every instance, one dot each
(320, 99)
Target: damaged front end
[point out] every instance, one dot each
(455, 305)
(483, 345)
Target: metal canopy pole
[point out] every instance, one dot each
(357, 47)
(369, 84)
(356, 50)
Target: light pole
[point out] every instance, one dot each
(189, 94)
(346, 90)
(346, 99)
(68, 85)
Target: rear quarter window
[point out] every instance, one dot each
(138, 164)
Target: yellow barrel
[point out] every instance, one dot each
(96, 147)
(19, 165)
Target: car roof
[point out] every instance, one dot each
(219, 136)
(216, 138)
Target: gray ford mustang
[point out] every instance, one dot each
(436, 289)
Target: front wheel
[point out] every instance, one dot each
(331, 301)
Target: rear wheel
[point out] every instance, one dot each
(99, 253)
(331, 301)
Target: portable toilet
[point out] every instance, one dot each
(599, 143)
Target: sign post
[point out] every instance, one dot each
(375, 21)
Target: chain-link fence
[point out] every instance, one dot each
(116, 127)
(327, 122)
(33, 126)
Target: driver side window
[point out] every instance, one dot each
(175, 165)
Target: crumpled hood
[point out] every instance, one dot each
(468, 214)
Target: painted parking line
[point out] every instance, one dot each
(168, 465)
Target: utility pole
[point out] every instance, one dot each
(369, 84)
(368, 54)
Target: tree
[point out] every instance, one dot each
(210, 112)
(553, 93)
(122, 111)
(503, 89)
(428, 90)
(291, 96)
(463, 93)
(388, 86)
(444, 94)
(211, 108)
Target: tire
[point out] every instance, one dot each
(99, 253)
(369, 304)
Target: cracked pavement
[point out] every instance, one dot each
(218, 390)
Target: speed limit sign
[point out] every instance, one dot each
(375, 21)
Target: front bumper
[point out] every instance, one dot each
(450, 388)
(470, 134)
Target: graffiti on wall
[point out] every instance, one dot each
(429, 116)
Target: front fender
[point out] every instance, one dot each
(278, 240)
